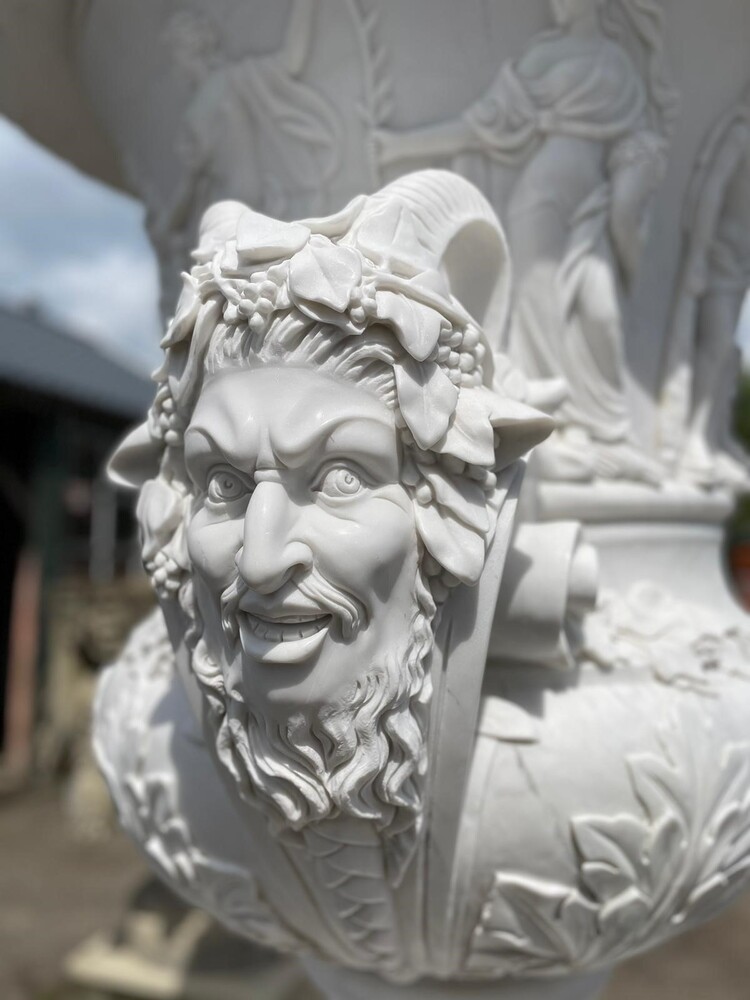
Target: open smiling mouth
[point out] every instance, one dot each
(283, 639)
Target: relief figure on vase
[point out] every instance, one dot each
(702, 358)
(254, 129)
(584, 132)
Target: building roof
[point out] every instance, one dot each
(40, 358)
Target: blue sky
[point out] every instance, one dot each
(77, 250)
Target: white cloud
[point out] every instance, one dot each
(110, 299)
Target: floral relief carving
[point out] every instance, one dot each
(650, 630)
(149, 813)
(641, 875)
(146, 800)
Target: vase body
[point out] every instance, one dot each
(585, 781)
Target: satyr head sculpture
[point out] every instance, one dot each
(324, 462)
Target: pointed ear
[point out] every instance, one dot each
(135, 459)
(520, 427)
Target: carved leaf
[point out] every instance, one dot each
(479, 414)
(726, 842)
(463, 498)
(656, 784)
(731, 842)
(686, 857)
(427, 398)
(456, 547)
(340, 222)
(389, 239)
(578, 923)
(709, 897)
(147, 800)
(613, 853)
(261, 239)
(666, 853)
(185, 371)
(182, 323)
(232, 895)
(623, 917)
(535, 922)
(325, 273)
(416, 326)
(733, 790)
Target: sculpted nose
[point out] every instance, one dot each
(271, 551)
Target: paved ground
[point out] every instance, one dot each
(55, 893)
(711, 963)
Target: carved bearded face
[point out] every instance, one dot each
(302, 536)
(306, 575)
(318, 471)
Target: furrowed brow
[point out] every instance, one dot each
(202, 451)
(301, 441)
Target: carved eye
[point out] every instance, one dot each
(225, 486)
(340, 481)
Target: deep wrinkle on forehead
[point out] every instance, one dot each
(290, 417)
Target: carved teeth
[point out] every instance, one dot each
(286, 629)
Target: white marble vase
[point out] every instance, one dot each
(447, 693)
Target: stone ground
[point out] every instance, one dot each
(55, 893)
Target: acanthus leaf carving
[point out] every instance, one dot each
(639, 876)
(146, 799)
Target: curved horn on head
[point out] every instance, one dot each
(459, 234)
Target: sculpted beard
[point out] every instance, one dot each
(363, 755)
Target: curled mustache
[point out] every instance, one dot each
(348, 613)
